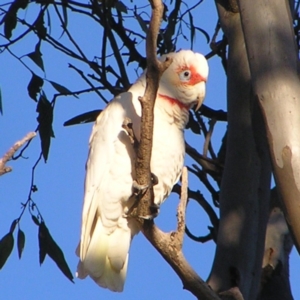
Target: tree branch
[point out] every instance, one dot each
(155, 69)
(169, 245)
(9, 154)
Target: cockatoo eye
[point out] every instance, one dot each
(185, 75)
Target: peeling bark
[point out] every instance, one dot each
(273, 60)
(275, 284)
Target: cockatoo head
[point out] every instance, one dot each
(185, 78)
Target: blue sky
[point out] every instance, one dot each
(60, 181)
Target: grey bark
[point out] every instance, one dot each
(273, 59)
(246, 179)
(275, 282)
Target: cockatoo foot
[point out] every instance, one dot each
(128, 126)
(154, 179)
(139, 189)
(154, 209)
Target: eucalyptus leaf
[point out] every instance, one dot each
(34, 86)
(20, 242)
(36, 56)
(45, 119)
(87, 117)
(48, 246)
(120, 6)
(6, 246)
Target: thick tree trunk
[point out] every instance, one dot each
(246, 179)
(275, 283)
(273, 59)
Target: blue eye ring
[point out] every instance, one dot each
(185, 75)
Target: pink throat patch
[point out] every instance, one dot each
(174, 101)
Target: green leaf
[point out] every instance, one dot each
(121, 7)
(6, 246)
(205, 34)
(87, 117)
(10, 22)
(42, 243)
(34, 86)
(193, 124)
(36, 56)
(61, 89)
(20, 242)
(45, 119)
(35, 220)
(13, 226)
(48, 246)
(142, 23)
(10, 19)
(65, 12)
(40, 28)
(1, 107)
(192, 30)
(21, 3)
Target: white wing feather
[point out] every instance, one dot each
(106, 234)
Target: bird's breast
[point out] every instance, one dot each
(167, 157)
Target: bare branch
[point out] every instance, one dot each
(9, 154)
(207, 143)
(80, 72)
(155, 69)
(208, 112)
(198, 197)
(169, 245)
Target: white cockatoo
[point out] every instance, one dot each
(106, 233)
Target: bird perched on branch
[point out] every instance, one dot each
(106, 232)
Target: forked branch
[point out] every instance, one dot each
(9, 154)
(169, 245)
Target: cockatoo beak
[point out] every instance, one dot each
(199, 103)
(201, 96)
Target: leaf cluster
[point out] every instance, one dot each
(47, 246)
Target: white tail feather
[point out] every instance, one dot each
(106, 258)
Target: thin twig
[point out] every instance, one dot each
(29, 202)
(80, 72)
(198, 197)
(24, 148)
(202, 175)
(9, 154)
(205, 131)
(212, 167)
(207, 142)
(182, 205)
(210, 113)
(68, 33)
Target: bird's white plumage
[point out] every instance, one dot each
(106, 233)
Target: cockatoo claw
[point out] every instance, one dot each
(154, 179)
(138, 189)
(154, 209)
